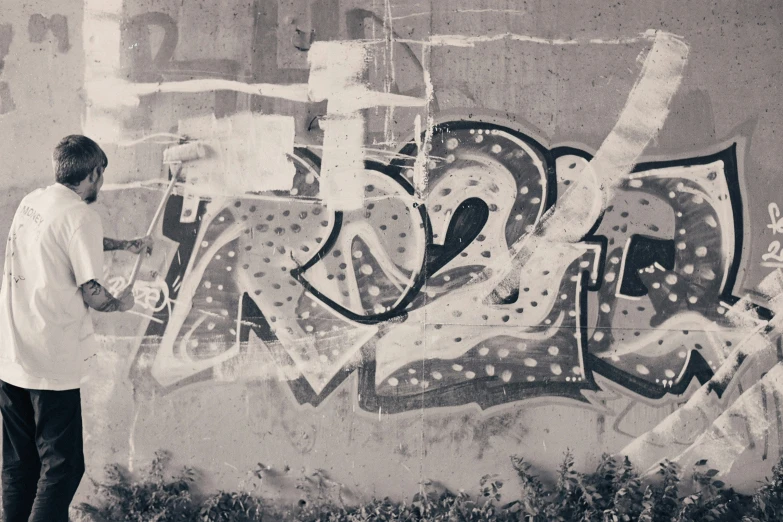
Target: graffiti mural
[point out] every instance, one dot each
(470, 264)
(409, 295)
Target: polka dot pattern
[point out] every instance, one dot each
(526, 337)
(275, 238)
(379, 247)
(208, 326)
(686, 206)
(505, 173)
(496, 354)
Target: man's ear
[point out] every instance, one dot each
(96, 173)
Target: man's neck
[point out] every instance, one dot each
(78, 189)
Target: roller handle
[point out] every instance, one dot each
(155, 218)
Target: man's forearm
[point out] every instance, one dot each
(119, 244)
(98, 298)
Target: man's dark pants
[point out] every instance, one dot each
(43, 456)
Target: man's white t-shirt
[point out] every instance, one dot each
(54, 246)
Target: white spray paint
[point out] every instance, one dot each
(132, 438)
(419, 166)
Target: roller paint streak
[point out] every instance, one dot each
(458, 40)
(111, 92)
(101, 42)
(337, 76)
(245, 152)
(642, 117)
(335, 69)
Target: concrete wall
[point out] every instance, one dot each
(426, 236)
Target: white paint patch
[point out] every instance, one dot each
(101, 41)
(335, 68)
(772, 286)
(110, 92)
(342, 163)
(248, 152)
(420, 164)
(420, 176)
(132, 439)
(336, 75)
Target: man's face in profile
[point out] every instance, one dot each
(92, 195)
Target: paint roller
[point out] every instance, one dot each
(174, 157)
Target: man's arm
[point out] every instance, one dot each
(113, 244)
(98, 298)
(134, 246)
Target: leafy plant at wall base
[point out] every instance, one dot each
(576, 496)
(535, 498)
(613, 493)
(231, 507)
(626, 500)
(708, 503)
(154, 498)
(668, 502)
(661, 503)
(768, 499)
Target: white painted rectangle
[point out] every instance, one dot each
(246, 152)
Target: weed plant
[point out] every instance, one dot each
(613, 493)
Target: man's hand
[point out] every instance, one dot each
(98, 298)
(140, 244)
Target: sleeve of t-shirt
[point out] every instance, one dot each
(86, 250)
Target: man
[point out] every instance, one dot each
(53, 259)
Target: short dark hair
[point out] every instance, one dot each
(75, 157)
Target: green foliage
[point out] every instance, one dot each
(157, 497)
(230, 507)
(767, 503)
(613, 493)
